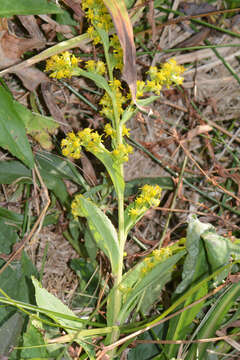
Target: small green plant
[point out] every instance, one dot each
(118, 107)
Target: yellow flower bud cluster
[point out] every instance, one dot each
(72, 145)
(97, 14)
(120, 154)
(169, 74)
(64, 65)
(96, 67)
(117, 51)
(155, 258)
(109, 131)
(149, 197)
(106, 101)
(76, 206)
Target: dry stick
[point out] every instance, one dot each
(139, 332)
(36, 226)
(208, 177)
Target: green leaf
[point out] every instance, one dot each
(99, 80)
(12, 131)
(11, 215)
(214, 320)
(195, 266)
(86, 294)
(11, 171)
(57, 186)
(50, 302)
(195, 230)
(38, 126)
(60, 167)
(134, 282)
(15, 282)
(147, 101)
(8, 237)
(113, 171)
(28, 7)
(102, 230)
(9, 334)
(33, 337)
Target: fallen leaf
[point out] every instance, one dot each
(11, 50)
(197, 131)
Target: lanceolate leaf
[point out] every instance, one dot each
(28, 7)
(135, 282)
(102, 230)
(118, 11)
(12, 131)
(194, 247)
(214, 319)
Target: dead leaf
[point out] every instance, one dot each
(197, 131)
(11, 50)
(123, 26)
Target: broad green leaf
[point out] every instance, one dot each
(144, 351)
(215, 318)
(195, 266)
(11, 216)
(50, 302)
(60, 167)
(34, 342)
(135, 282)
(38, 126)
(102, 230)
(8, 236)
(12, 130)
(11, 171)
(28, 7)
(87, 292)
(123, 26)
(10, 332)
(15, 281)
(56, 185)
(219, 249)
(195, 230)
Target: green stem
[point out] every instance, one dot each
(117, 295)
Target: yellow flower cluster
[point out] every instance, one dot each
(154, 258)
(169, 74)
(149, 197)
(97, 14)
(72, 145)
(64, 65)
(97, 67)
(76, 207)
(120, 154)
(109, 131)
(106, 101)
(117, 51)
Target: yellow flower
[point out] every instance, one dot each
(121, 152)
(64, 65)
(97, 67)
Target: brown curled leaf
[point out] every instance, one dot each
(123, 26)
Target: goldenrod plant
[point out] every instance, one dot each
(125, 301)
(117, 107)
